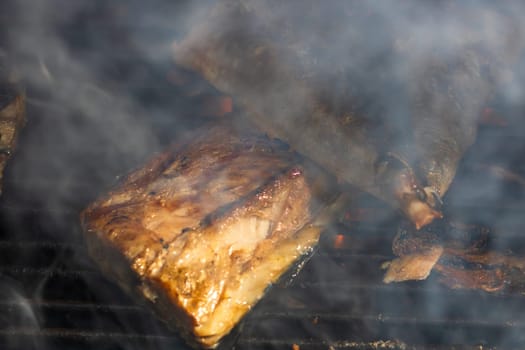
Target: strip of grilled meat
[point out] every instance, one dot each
(202, 230)
(459, 256)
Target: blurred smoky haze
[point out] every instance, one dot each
(97, 94)
(99, 103)
(422, 72)
(381, 49)
(23, 314)
(104, 63)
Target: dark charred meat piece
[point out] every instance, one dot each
(488, 271)
(12, 119)
(450, 83)
(488, 279)
(240, 56)
(459, 256)
(202, 230)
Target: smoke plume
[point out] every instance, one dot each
(100, 99)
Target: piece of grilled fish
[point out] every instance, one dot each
(240, 56)
(202, 230)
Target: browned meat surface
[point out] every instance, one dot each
(414, 266)
(270, 78)
(487, 279)
(202, 230)
(461, 262)
(490, 271)
(12, 119)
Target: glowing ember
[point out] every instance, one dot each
(339, 241)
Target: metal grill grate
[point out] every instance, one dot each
(55, 298)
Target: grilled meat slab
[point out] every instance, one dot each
(242, 57)
(202, 230)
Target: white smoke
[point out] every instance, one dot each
(99, 112)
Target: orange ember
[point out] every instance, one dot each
(339, 241)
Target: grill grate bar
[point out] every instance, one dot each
(307, 344)
(64, 306)
(336, 254)
(47, 272)
(303, 344)
(368, 330)
(383, 318)
(41, 244)
(67, 333)
(428, 287)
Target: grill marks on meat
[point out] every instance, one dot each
(234, 51)
(202, 230)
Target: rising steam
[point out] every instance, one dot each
(77, 55)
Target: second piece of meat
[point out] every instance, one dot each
(240, 56)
